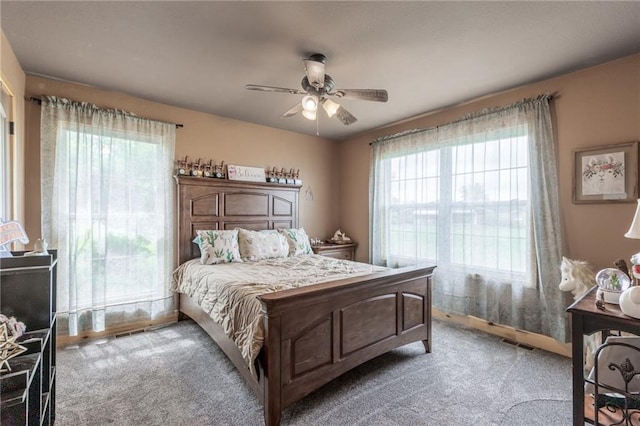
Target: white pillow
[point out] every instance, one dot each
(258, 245)
(218, 246)
(298, 241)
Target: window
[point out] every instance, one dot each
(107, 206)
(464, 204)
(479, 198)
(5, 164)
(115, 223)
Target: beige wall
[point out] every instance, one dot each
(593, 107)
(203, 136)
(13, 76)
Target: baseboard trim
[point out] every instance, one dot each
(520, 337)
(131, 328)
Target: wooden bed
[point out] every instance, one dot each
(312, 334)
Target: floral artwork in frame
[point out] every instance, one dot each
(603, 174)
(606, 174)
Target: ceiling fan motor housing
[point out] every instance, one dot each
(327, 88)
(318, 57)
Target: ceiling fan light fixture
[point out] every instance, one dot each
(309, 115)
(310, 103)
(330, 107)
(316, 87)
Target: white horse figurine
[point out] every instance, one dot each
(578, 278)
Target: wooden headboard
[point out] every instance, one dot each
(205, 203)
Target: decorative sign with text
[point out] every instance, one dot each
(249, 174)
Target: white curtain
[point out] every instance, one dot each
(107, 206)
(479, 198)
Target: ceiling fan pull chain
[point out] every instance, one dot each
(317, 124)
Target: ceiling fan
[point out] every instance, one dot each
(318, 88)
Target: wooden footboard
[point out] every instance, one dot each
(314, 334)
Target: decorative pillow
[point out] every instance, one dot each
(298, 241)
(257, 245)
(218, 246)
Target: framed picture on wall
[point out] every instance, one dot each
(606, 174)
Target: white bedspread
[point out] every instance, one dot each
(227, 292)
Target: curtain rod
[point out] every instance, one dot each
(39, 101)
(481, 113)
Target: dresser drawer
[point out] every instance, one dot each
(337, 251)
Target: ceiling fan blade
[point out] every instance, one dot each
(274, 89)
(314, 67)
(345, 116)
(376, 95)
(293, 111)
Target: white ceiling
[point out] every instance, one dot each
(427, 55)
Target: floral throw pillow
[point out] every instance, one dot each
(258, 245)
(298, 241)
(218, 246)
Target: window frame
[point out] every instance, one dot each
(5, 155)
(112, 296)
(445, 201)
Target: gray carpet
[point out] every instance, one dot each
(177, 376)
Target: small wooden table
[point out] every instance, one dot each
(586, 318)
(338, 251)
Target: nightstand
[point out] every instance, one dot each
(586, 319)
(338, 251)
